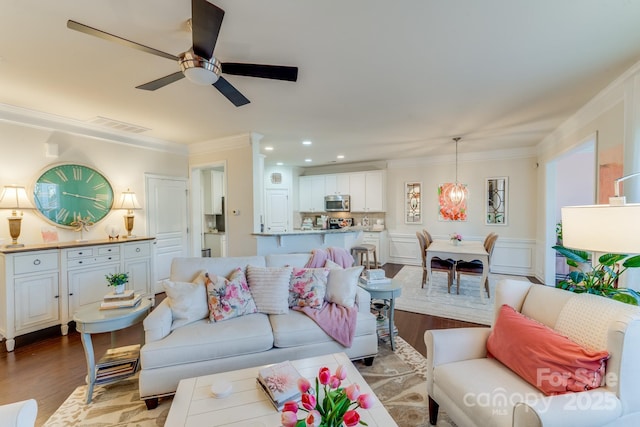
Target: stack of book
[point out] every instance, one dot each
(118, 363)
(373, 283)
(382, 328)
(280, 383)
(127, 299)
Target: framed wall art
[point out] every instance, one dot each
(496, 193)
(413, 203)
(449, 210)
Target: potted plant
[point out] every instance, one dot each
(118, 281)
(601, 279)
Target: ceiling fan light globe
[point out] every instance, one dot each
(199, 70)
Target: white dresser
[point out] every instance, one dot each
(43, 285)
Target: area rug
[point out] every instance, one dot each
(397, 378)
(434, 299)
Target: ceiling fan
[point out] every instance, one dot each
(198, 63)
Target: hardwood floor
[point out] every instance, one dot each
(48, 367)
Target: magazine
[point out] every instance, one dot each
(280, 382)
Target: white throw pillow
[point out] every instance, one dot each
(342, 285)
(269, 287)
(187, 300)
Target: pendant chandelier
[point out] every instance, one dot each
(457, 191)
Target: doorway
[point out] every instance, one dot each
(570, 181)
(209, 217)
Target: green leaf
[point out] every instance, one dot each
(572, 254)
(611, 259)
(632, 262)
(625, 298)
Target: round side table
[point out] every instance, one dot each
(386, 292)
(91, 320)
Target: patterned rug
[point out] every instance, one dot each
(434, 299)
(397, 378)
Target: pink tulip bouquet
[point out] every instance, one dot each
(338, 406)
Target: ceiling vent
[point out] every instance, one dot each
(117, 125)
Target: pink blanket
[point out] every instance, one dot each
(320, 256)
(337, 321)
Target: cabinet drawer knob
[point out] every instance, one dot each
(79, 253)
(79, 262)
(137, 249)
(109, 258)
(71, 294)
(57, 296)
(36, 262)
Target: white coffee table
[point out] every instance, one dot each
(194, 405)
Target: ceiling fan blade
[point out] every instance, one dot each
(206, 20)
(162, 81)
(276, 72)
(73, 25)
(230, 92)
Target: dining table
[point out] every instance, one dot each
(466, 250)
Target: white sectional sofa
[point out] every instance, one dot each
(205, 347)
(476, 390)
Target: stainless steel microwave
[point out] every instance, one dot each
(336, 203)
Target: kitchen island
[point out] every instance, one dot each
(305, 240)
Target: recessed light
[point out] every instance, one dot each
(268, 148)
(340, 156)
(307, 142)
(307, 160)
(279, 164)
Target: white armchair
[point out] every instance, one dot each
(478, 391)
(19, 414)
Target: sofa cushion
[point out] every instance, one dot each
(483, 389)
(547, 360)
(297, 329)
(308, 287)
(188, 300)
(229, 298)
(342, 285)
(204, 340)
(586, 319)
(270, 288)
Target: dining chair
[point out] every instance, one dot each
(427, 236)
(474, 268)
(437, 264)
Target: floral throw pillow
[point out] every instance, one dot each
(308, 287)
(229, 298)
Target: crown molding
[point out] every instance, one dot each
(41, 120)
(607, 98)
(235, 142)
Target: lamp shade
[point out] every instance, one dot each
(602, 228)
(14, 197)
(128, 201)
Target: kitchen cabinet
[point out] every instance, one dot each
(337, 184)
(367, 191)
(379, 240)
(215, 242)
(213, 191)
(41, 286)
(311, 190)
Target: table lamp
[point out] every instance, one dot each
(612, 228)
(14, 197)
(129, 203)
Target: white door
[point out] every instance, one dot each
(168, 222)
(277, 212)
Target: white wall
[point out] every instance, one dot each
(514, 252)
(24, 157)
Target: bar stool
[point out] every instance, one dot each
(363, 250)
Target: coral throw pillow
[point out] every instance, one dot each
(229, 298)
(308, 287)
(545, 359)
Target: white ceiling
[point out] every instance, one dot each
(377, 79)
